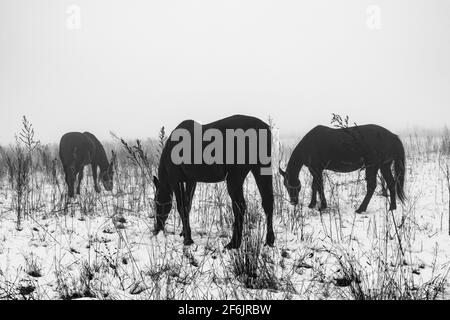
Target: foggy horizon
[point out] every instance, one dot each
(133, 67)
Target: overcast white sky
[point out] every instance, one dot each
(135, 66)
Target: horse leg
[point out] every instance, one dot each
(323, 200)
(70, 180)
(314, 188)
(387, 175)
(80, 178)
(235, 190)
(190, 190)
(371, 178)
(94, 176)
(265, 187)
(180, 195)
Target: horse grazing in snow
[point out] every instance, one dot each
(77, 150)
(181, 178)
(368, 147)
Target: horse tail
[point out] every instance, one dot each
(399, 167)
(74, 154)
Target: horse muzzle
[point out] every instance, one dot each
(108, 186)
(157, 230)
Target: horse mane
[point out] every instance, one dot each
(295, 162)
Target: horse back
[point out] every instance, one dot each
(347, 149)
(76, 149)
(217, 171)
(238, 122)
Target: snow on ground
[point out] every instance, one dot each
(65, 254)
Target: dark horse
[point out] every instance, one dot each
(77, 150)
(368, 147)
(180, 178)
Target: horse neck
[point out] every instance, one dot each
(165, 191)
(100, 158)
(295, 163)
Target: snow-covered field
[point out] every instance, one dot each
(102, 246)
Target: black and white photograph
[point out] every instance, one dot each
(240, 152)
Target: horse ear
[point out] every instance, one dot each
(156, 181)
(283, 173)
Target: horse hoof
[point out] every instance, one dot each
(188, 242)
(231, 246)
(311, 205)
(156, 231)
(392, 207)
(270, 239)
(269, 244)
(359, 211)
